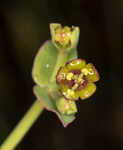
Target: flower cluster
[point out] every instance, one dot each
(63, 36)
(76, 79)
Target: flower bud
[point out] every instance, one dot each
(66, 107)
(64, 37)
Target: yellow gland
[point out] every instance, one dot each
(90, 72)
(85, 71)
(70, 92)
(69, 76)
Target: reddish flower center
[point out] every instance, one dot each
(76, 71)
(76, 80)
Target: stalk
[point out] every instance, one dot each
(22, 127)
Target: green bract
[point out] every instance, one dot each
(76, 79)
(49, 104)
(46, 61)
(56, 67)
(64, 38)
(46, 65)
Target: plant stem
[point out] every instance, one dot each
(22, 127)
(61, 59)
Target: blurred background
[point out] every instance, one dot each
(24, 26)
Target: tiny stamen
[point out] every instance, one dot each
(80, 78)
(75, 86)
(69, 76)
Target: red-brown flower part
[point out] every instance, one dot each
(76, 79)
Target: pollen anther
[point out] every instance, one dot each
(75, 86)
(80, 78)
(69, 76)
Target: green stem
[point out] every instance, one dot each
(22, 127)
(61, 59)
(33, 113)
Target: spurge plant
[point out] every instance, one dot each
(61, 79)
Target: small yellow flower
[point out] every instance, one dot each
(76, 79)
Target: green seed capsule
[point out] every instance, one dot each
(66, 107)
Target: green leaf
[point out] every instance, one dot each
(45, 62)
(50, 104)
